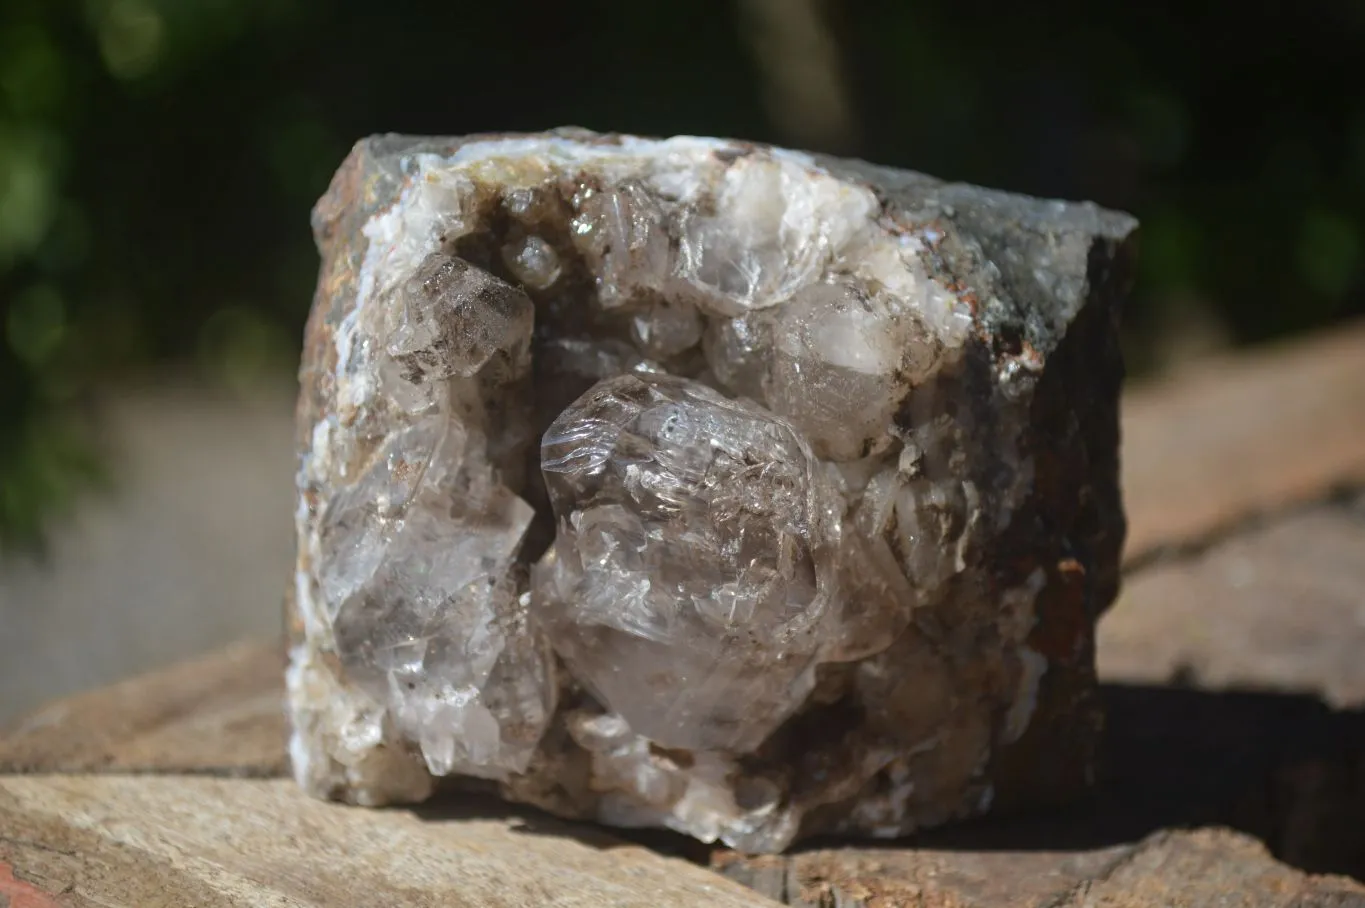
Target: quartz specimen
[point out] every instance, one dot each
(704, 485)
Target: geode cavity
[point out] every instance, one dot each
(700, 484)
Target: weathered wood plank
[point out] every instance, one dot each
(1210, 445)
(219, 714)
(1281, 605)
(146, 841)
(1210, 866)
(919, 876)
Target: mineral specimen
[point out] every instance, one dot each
(704, 485)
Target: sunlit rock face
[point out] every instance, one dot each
(702, 485)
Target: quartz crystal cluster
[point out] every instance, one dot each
(703, 485)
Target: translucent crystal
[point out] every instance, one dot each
(693, 793)
(453, 319)
(419, 549)
(875, 597)
(422, 614)
(772, 233)
(843, 359)
(622, 233)
(738, 352)
(533, 261)
(690, 580)
(666, 327)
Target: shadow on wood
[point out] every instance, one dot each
(1282, 767)
(462, 803)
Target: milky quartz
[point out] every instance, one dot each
(702, 485)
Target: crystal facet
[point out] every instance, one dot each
(702, 485)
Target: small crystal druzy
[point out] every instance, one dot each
(704, 485)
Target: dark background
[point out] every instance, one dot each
(158, 157)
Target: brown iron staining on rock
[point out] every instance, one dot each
(701, 485)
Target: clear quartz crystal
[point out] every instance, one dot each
(453, 320)
(746, 255)
(692, 793)
(419, 550)
(843, 360)
(621, 232)
(738, 353)
(691, 577)
(533, 261)
(666, 327)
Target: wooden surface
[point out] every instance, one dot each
(1280, 604)
(1234, 683)
(1215, 444)
(176, 841)
(1196, 868)
(221, 714)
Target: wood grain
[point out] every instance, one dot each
(220, 714)
(1175, 868)
(1278, 606)
(1212, 445)
(146, 841)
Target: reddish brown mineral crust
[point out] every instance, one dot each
(1041, 283)
(18, 894)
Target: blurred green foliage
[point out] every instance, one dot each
(158, 157)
